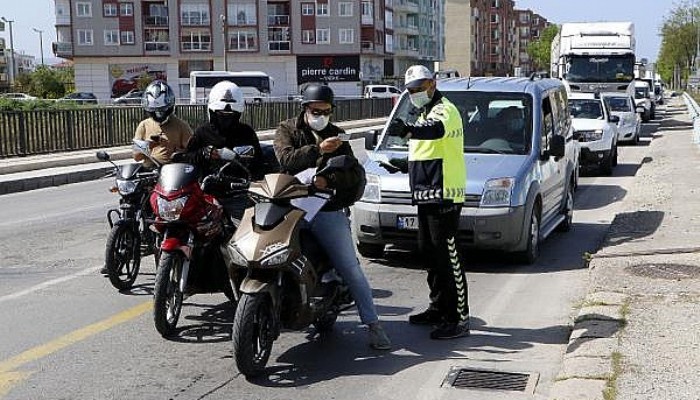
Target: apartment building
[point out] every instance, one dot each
(489, 37)
(294, 41)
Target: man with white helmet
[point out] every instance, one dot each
(224, 129)
(167, 132)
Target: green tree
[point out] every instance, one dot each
(678, 51)
(540, 50)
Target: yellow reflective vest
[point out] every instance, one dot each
(436, 165)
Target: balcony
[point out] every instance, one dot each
(279, 46)
(63, 49)
(278, 20)
(156, 46)
(411, 30)
(406, 52)
(156, 20)
(406, 6)
(367, 19)
(367, 45)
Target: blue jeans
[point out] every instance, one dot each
(332, 230)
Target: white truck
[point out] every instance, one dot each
(595, 56)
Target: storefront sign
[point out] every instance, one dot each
(328, 69)
(124, 77)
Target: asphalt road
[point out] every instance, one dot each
(65, 333)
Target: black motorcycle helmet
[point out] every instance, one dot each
(317, 93)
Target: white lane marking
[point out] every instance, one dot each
(47, 284)
(58, 214)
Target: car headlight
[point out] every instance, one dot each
(588, 136)
(497, 192)
(275, 258)
(171, 210)
(372, 193)
(126, 187)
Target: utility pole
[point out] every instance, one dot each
(222, 17)
(41, 43)
(12, 52)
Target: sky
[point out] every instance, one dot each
(647, 16)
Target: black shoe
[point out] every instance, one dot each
(430, 316)
(104, 270)
(451, 330)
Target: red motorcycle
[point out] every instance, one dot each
(193, 226)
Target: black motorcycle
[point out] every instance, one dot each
(130, 237)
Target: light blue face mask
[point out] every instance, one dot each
(420, 99)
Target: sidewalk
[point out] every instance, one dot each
(637, 335)
(19, 174)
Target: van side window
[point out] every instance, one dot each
(556, 111)
(547, 124)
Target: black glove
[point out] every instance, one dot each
(395, 165)
(397, 127)
(206, 152)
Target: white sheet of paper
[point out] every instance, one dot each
(306, 176)
(358, 149)
(311, 205)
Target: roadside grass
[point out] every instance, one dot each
(610, 391)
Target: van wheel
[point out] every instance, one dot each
(614, 160)
(568, 210)
(606, 166)
(532, 251)
(370, 250)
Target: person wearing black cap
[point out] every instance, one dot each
(309, 141)
(437, 176)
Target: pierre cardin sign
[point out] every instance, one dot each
(328, 69)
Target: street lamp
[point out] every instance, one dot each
(12, 52)
(222, 17)
(41, 43)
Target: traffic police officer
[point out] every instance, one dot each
(437, 174)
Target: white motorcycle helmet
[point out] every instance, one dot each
(158, 101)
(225, 96)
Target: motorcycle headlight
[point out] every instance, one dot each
(171, 210)
(275, 258)
(236, 256)
(126, 187)
(372, 193)
(497, 192)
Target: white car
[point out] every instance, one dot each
(623, 106)
(642, 97)
(17, 96)
(596, 131)
(381, 91)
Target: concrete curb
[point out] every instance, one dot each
(20, 174)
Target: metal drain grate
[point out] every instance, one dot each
(464, 378)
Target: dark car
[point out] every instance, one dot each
(131, 98)
(80, 98)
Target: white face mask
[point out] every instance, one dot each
(420, 99)
(317, 122)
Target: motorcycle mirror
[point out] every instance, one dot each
(226, 154)
(245, 151)
(102, 156)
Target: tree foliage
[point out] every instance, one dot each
(679, 34)
(540, 50)
(46, 82)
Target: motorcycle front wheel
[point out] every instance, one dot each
(123, 255)
(253, 334)
(167, 299)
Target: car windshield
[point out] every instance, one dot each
(585, 108)
(618, 104)
(494, 122)
(641, 93)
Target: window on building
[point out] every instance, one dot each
(367, 9)
(110, 10)
(242, 41)
(307, 9)
(156, 40)
(495, 34)
(322, 9)
(242, 14)
(389, 43)
(111, 37)
(127, 37)
(194, 14)
(126, 9)
(388, 19)
(495, 18)
(345, 9)
(494, 3)
(85, 37)
(323, 36)
(346, 36)
(279, 39)
(308, 36)
(195, 40)
(83, 9)
(524, 18)
(495, 50)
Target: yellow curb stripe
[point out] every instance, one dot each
(9, 377)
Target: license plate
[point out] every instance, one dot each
(407, 222)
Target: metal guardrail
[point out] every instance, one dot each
(694, 111)
(24, 133)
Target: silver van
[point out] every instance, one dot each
(521, 175)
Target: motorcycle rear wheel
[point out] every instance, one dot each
(123, 255)
(167, 299)
(253, 334)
